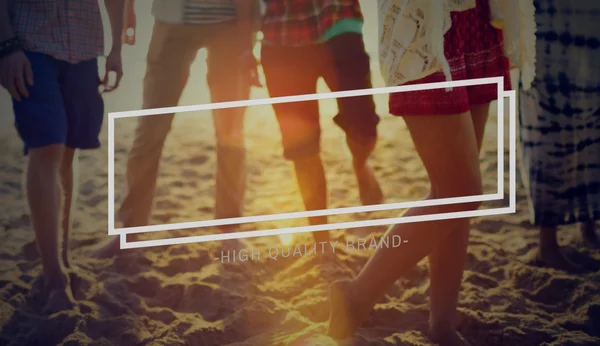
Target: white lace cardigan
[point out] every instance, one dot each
(411, 36)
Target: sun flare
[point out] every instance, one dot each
(286, 239)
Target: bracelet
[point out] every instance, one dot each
(9, 46)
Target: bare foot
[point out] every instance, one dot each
(346, 315)
(59, 297)
(108, 250)
(447, 337)
(59, 300)
(368, 186)
(75, 278)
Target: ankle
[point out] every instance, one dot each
(359, 165)
(66, 259)
(438, 329)
(56, 281)
(358, 296)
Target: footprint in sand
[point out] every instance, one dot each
(166, 204)
(198, 160)
(189, 173)
(165, 218)
(88, 188)
(96, 200)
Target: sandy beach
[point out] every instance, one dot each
(204, 294)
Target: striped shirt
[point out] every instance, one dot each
(194, 11)
(67, 30)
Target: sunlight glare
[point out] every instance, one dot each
(286, 239)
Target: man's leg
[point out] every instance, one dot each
(291, 71)
(228, 82)
(349, 68)
(170, 56)
(44, 198)
(84, 109)
(69, 177)
(41, 122)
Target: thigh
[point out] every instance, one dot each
(287, 73)
(83, 104)
(227, 79)
(41, 119)
(431, 101)
(448, 148)
(172, 50)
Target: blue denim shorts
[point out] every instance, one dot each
(64, 104)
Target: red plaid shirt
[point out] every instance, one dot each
(301, 22)
(68, 30)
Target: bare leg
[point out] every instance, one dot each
(588, 235)
(68, 175)
(368, 187)
(231, 172)
(231, 148)
(44, 197)
(447, 261)
(312, 183)
(448, 148)
(550, 254)
(350, 69)
(171, 53)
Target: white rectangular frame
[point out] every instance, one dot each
(499, 195)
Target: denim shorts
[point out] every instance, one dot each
(64, 104)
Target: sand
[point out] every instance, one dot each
(191, 295)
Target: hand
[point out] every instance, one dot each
(16, 74)
(113, 64)
(249, 63)
(129, 24)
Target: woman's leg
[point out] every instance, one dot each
(550, 253)
(447, 146)
(447, 261)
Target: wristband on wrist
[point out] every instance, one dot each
(9, 46)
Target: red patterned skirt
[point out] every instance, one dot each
(474, 49)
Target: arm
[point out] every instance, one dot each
(6, 30)
(246, 11)
(15, 69)
(116, 10)
(129, 23)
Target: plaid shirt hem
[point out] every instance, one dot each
(67, 30)
(302, 22)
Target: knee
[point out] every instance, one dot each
(48, 158)
(68, 159)
(229, 127)
(302, 151)
(230, 138)
(150, 136)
